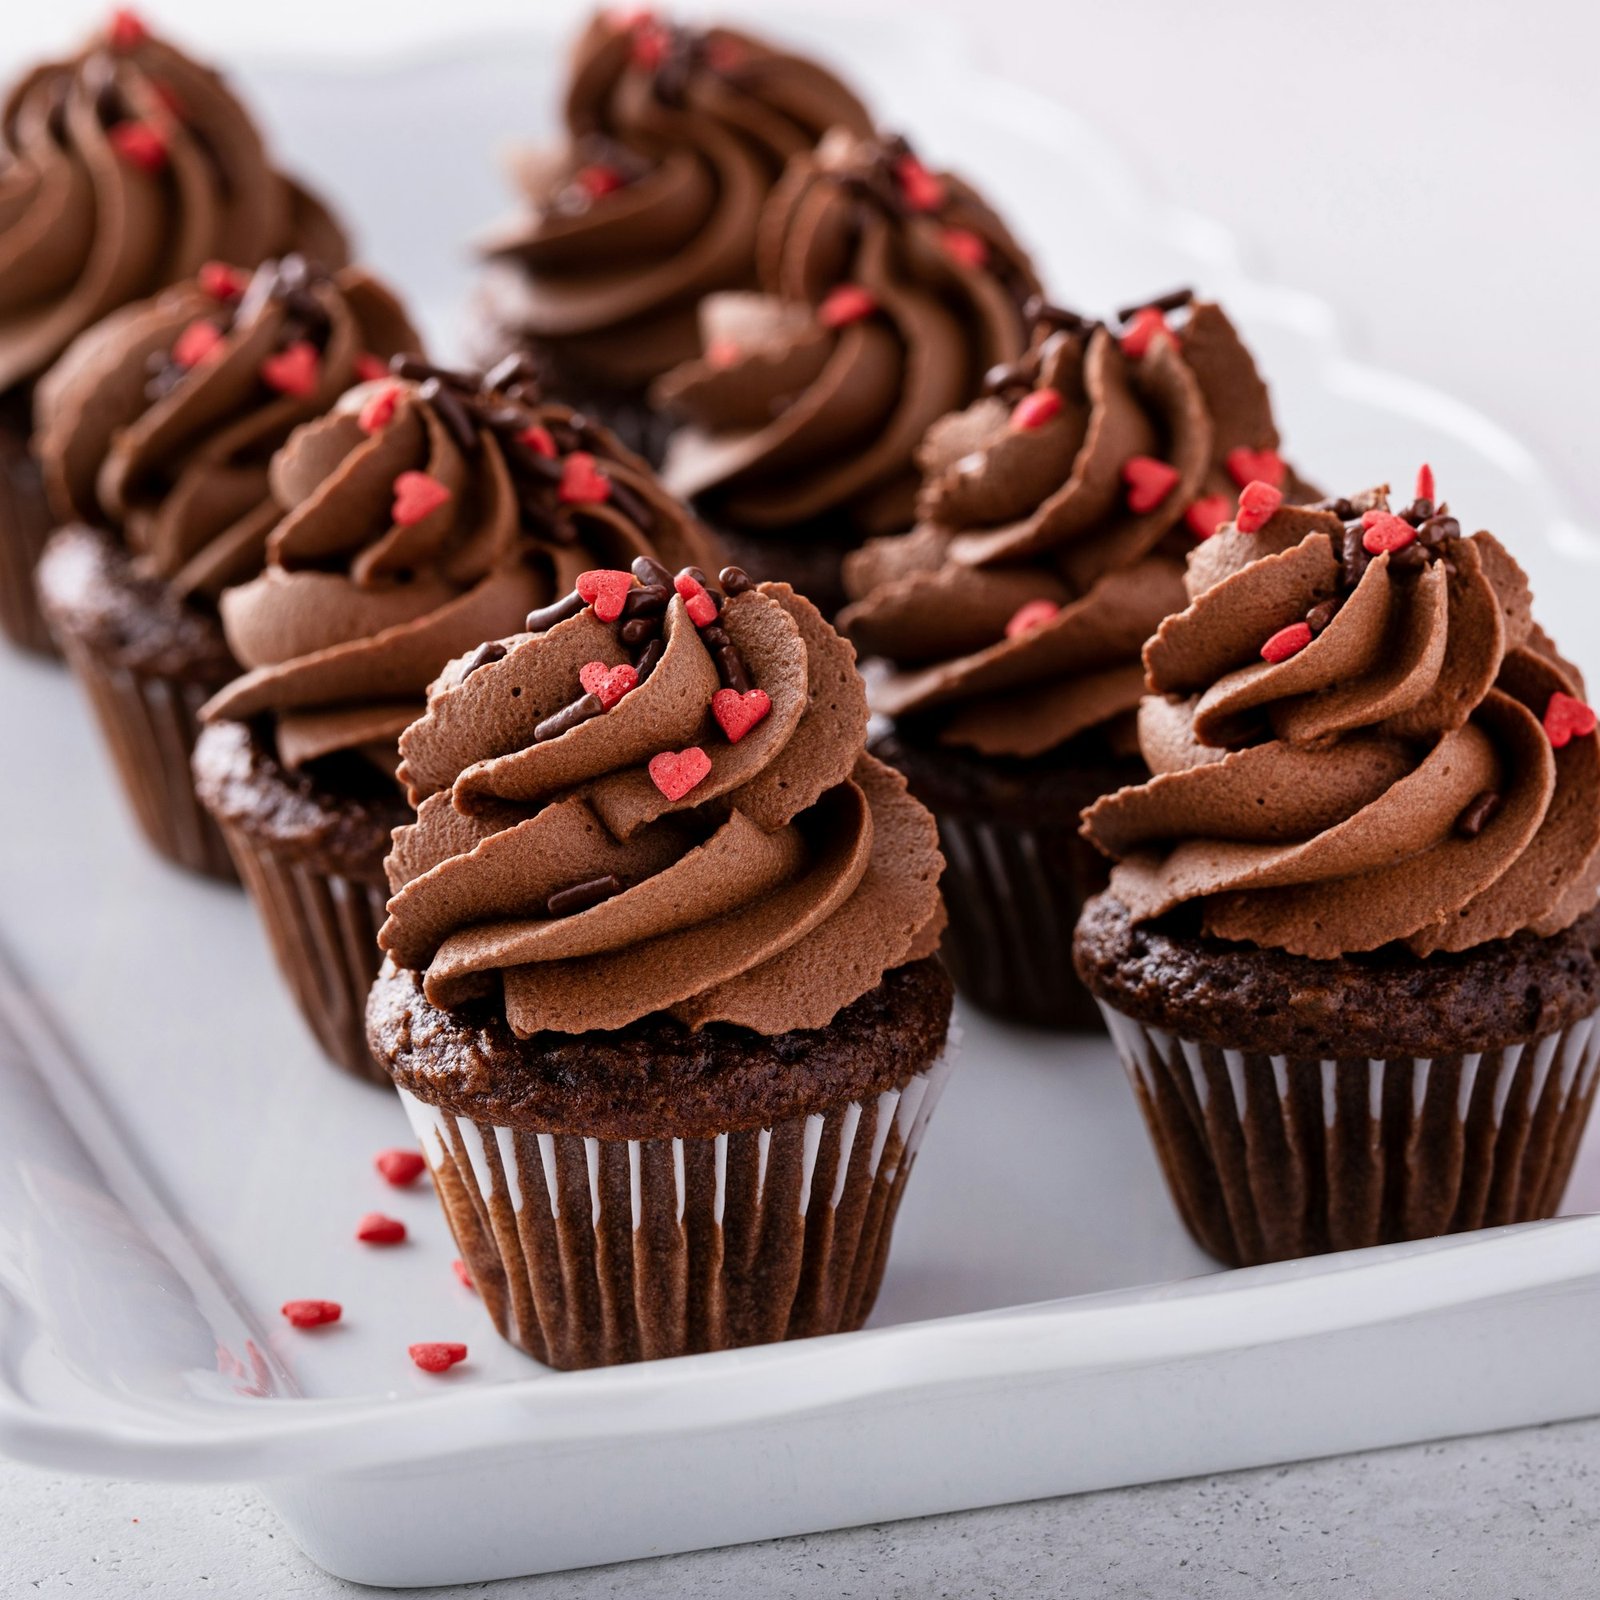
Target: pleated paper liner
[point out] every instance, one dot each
(1271, 1157)
(323, 928)
(25, 525)
(594, 1251)
(150, 724)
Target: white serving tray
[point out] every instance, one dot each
(175, 1160)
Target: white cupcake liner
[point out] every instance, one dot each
(593, 1251)
(1269, 1157)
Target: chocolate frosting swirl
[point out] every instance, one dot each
(424, 513)
(1346, 734)
(888, 292)
(1026, 502)
(122, 170)
(159, 422)
(669, 853)
(674, 139)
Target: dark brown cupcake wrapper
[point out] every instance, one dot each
(1272, 1157)
(323, 928)
(150, 724)
(590, 1252)
(25, 526)
(1014, 896)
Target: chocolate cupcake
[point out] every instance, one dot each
(674, 137)
(1349, 950)
(155, 430)
(1053, 520)
(424, 513)
(660, 995)
(888, 291)
(122, 169)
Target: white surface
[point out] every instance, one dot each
(1239, 159)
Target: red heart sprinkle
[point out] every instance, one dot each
(416, 496)
(1424, 482)
(199, 340)
(399, 1167)
(963, 245)
(369, 368)
(312, 1313)
(1142, 330)
(1566, 718)
(378, 412)
(1286, 642)
(1149, 482)
(607, 684)
(1245, 466)
(738, 713)
(539, 440)
(848, 303)
(1257, 502)
(721, 354)
(597, 180)
(1385, 531)
(1036, 409)
(649, 44)
(1207, 514)
(139, 145)
(436, 1355)
(463, 1276)
(126, 31)
(222, 282)
(605, 589)
(582, 482)
(700, 606)
(676, 772)
(1034, 614)
(293, 371)
(375, 1228)
(923, 190)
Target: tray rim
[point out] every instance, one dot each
(1118, 1329)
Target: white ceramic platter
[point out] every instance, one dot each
(175, 1160)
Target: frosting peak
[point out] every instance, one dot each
(1357, 738)
(160, 421)
(670, 811)
(1054, 516)
(424, 513)
(888, 290)
(122, 170)
(674, 137)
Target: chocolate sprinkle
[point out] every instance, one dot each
(651, 572)
(559, 722)
(646, 664)
(448, 406)
(735, 580)
(637, 630)
(546, 617)
(1475, 817)
(649, 600)
(483, 656)
(1172, 301)
(581, 896)
(1319, 616)
(731, 668)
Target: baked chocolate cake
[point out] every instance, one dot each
(1349, 948)
(123, 168)
(674, 136)
(660, 995)
(1054, 516)
(155, 431)
(423, 513)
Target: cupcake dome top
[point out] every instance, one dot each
(1054, 517)
(158, 423)
(888, 292)
(127, 167)
(674, 138)
(659, 803)
(426, 512)
(1359, 737)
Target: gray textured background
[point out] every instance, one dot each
(1427, 167)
